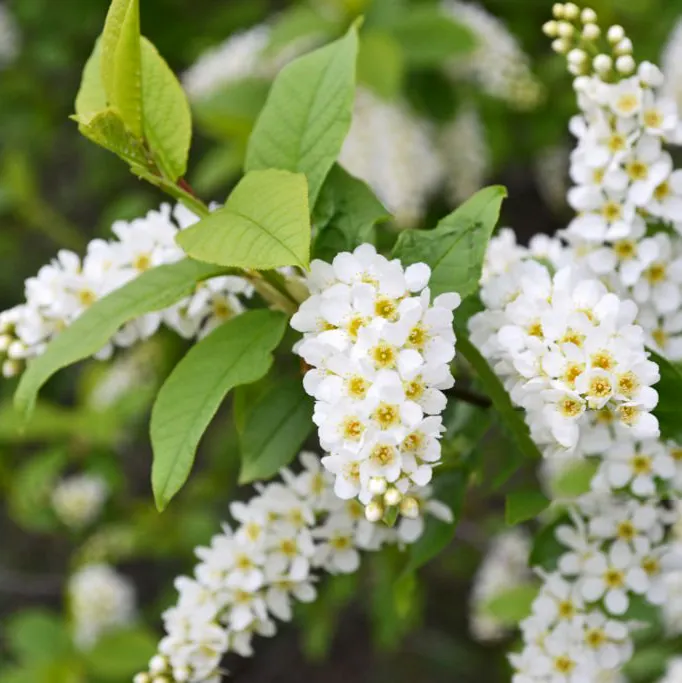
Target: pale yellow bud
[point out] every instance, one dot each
(409, 507)
(392, 496)
(615, 34)
(374, 511)
(550, 29)
(588, 16)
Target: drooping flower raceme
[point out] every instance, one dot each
(380, 352)
(100, 600)
(64, 289)
(566, 347)
(78, 500)
(252, 574)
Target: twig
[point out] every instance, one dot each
(469, 396)
(36, 585)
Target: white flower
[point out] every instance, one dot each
(100, 599)
(78, 500)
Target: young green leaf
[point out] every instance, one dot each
(428, 36)
(298, 23)
(308, 113)
(264, 224)
(237, 352)
(547, 549)
(91, 98)
(456, 247)
(345, 214)
(381, 64)
(275, 430)
(512, 604)
(36, 635)
(511, 418)
(669, 389)
(121, 62)
(167, 121)
(574, 480)
(152, 291)
(521, 506)
(116, 655)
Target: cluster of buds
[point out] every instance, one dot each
(577, 35)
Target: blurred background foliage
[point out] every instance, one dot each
(58, 190)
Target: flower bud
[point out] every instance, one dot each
(16, 349)
(10, 368)
(5, 341)
(158, 665)
(625, 64)
(591, 32)
(392, 496)
(624, 47)
(565, 29)
(602, 63)
(550, 29)
(561, 46)
(615, 34)
(377, 485)
(181, 674)
(571, 11)
(588, 16)
(576, 56)
(558, 10)
(409, 507)
(374, 511)
(141, 678)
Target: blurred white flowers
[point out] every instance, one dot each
(78, 500)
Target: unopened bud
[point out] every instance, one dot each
(576, 56)
(374, 511)
(571, 11)
(5, 341)
(560, 45)
(409, 507)
(392, 496)
(565, 30)
(158, 665)
(141, 678)
(377, 485)
(591, 32)
(602, 64)
(615, 34)
(161, 679)
(588, 16)
(181, 674)
(624, 47)
(625, 64)
(16, 349)
(558, 10)
(550, 29)
(10, 368)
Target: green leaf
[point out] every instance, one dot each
(152, 291)
(232, 110)
(521, 506)
(298, 23)
(669, 387)
(91, 98)
(167, 120)
(450, 488)
(381, 64)
(547, 549)
(264, 224)
(36, 635)
(511, 605)
(308, 114)
(119, 655)
(428, 37)
(510, 416)
(237, 352)
(106, 129)
(121, 62)
(345, 214)
(275, 430)
(456, 247)
(575, 479)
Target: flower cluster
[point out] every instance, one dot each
(466, 153)
(615, 552)
(671, 65)
(627, 195)
(566, 347)
(504, 568)
(674, 671)
(252, 574)
(498, 64)
(78, 500)
(380, 353)
(100, 600)
(64, 289)
(384, 146)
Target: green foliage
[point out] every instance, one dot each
(546, 549)
(669, 389)
(37, 636)
(274, 430)
(381, 64)
(152, 291)
(345, 214)
(308, 114)
(574, 480)
(512, 605)
(511, 418)
(521, 506)
(428, 37)
(237, 352)
(456, 247)
(116, 656)
(265, 223)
